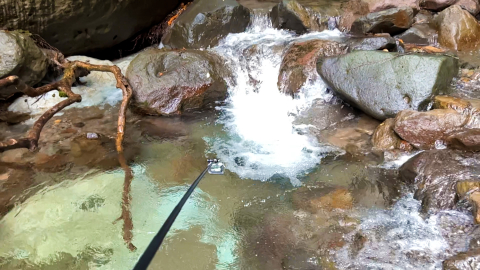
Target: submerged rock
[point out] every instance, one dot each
(383, 84)
(79, 27)
(299, 62)
(172, 82)
(301, 17)
(469, 260)
(20, 56)
(205, 22)
(458, 29)
(392, 21)
(435, 175)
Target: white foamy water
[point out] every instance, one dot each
(401, 238)
(261, 140)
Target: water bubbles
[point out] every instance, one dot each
(260, 136)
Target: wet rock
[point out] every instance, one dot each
(465, 140)
(383, 84)
(472, 6)
(300, 17)
(372, 43)
(469, 260)
(353, 10)
(458, 29)
(436, 5)
(379, 5)
(13, 117)
(464, 188)
(384, 138)
(299, 63)
(435, 175)
(427, 130)
(475, 200)
(419, 34)
(205, 22)
(162, 128)
(20, 56)
(461, 105)
(172, 82)
(79, 27)
(392, 21)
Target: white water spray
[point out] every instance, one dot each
(261, 140)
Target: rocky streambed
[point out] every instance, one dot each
(349, 130)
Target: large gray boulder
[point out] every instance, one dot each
(172, 82)
(78, 27)
(382, 84)
(20, 56)
(205, 22)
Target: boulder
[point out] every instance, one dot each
(372, 43)
(392, 21)
(205, 22)
(428, 130)
(20, 56)
(172, 82)
(302, 16)
(469, 260)
(458, 29)
(79, 27)
(382, 84)
(299, 62)
(384, 138)
(435, 174)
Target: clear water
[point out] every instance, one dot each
(249, 218)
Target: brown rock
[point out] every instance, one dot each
(463, 106)
(379, 5)
(469, 260)
(98, 152)
(465, 187)
(472, 6)
(475, 199)
(458, 29)
(392, 21)
(384, 138)
(424, 129)
(436, 5)
(339, 199)
(173, 82)
(465, 140)
(435, 174)
(299, 62)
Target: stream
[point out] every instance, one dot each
(257, 215)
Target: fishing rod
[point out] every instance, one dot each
(214, 167)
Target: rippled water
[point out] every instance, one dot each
(256, 216)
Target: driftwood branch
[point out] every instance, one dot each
(72, 71)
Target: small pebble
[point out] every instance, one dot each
(92, 136)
